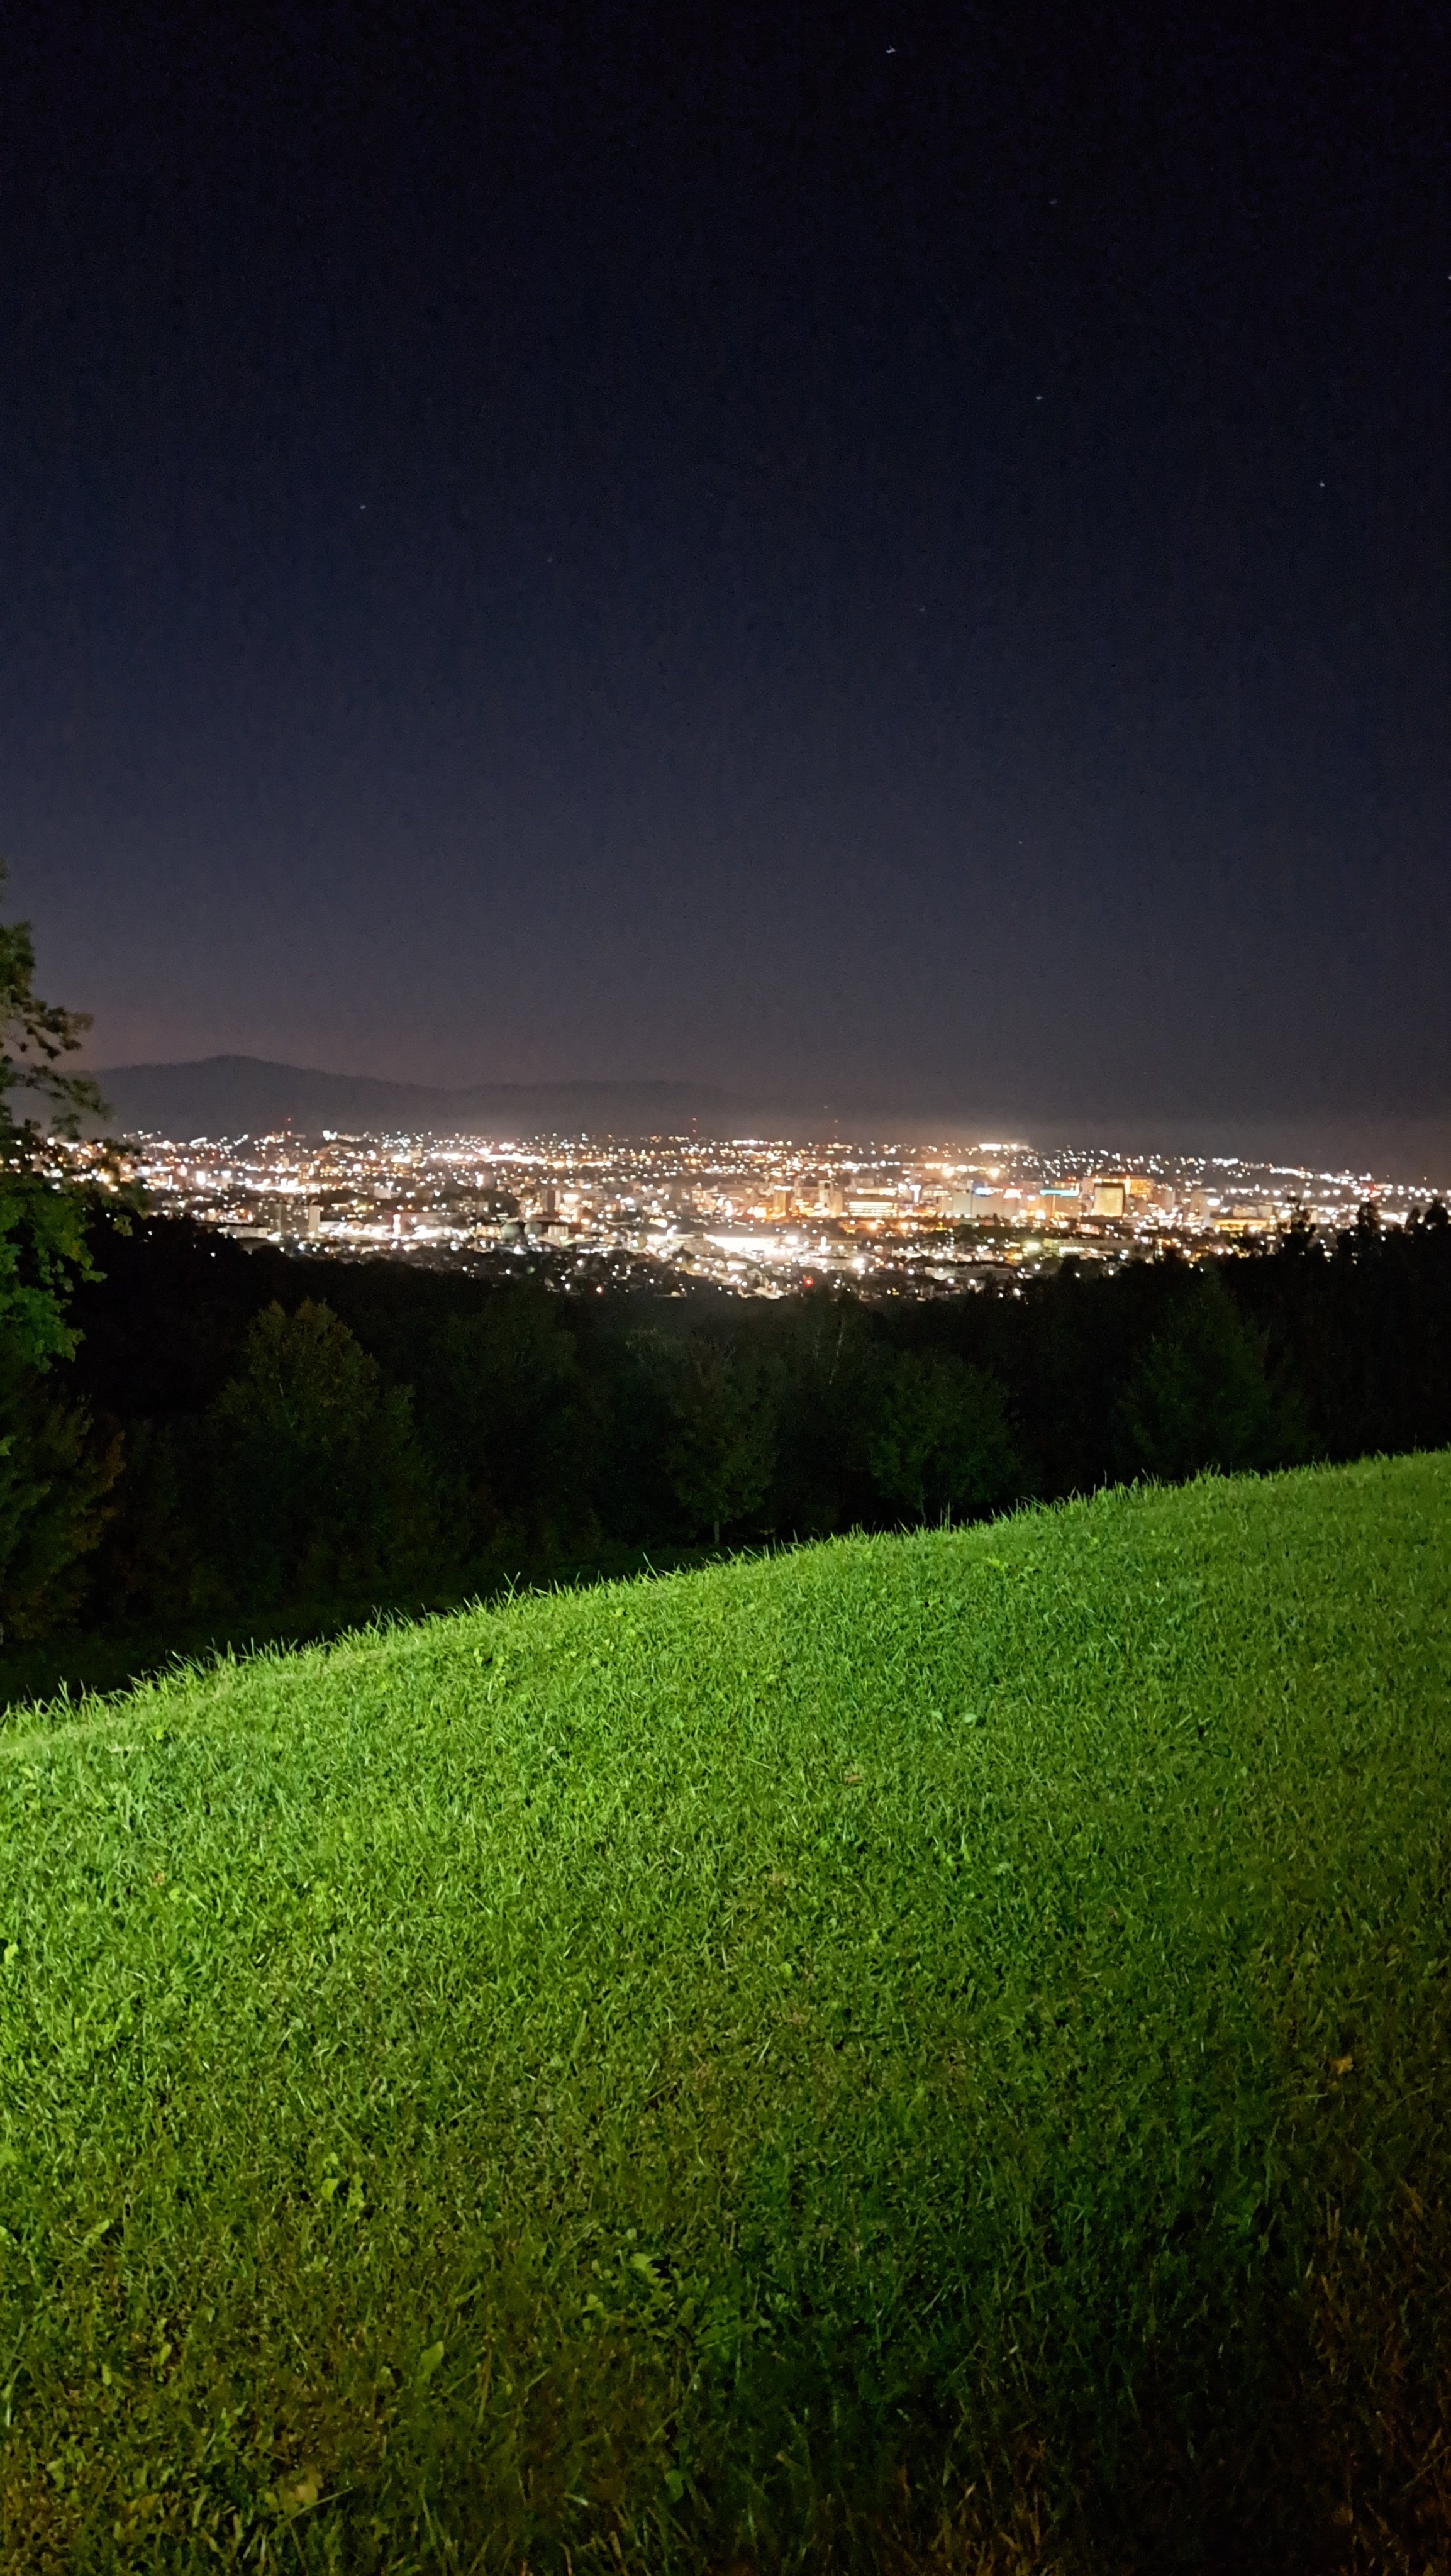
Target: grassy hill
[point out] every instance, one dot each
(922, 2052)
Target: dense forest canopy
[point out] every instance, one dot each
(259, 1436)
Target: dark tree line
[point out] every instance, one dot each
(55, 1476)
(244, 1435)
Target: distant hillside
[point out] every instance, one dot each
(238, 1095)
(241, 1095)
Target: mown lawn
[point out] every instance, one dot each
(923, 2052)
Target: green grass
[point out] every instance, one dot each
(923, 2052)
(81, 1663)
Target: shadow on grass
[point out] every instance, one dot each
(115, 1660)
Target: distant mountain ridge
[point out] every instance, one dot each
(244, 1095)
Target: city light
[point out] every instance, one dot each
(756, 1216)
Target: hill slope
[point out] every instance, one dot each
(922, 2052)
(236, 1095)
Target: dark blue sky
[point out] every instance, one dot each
(900, 552)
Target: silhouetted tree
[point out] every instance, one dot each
(936, 1438)
(316, 1488)
(720, 1442)
(825, 1355)
(54, 1475)
(1198, 1397)
(507, 1420)
(56, 1481)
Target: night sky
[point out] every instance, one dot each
(892, 554)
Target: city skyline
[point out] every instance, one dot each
(755, 1216)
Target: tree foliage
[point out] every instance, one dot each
(312, 1439)
(315, 1486)
(1199, 1396)
(42, 1222)
(936, 1438)
(720, 1440)
(54, 1478)
(56, 1482)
